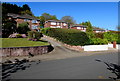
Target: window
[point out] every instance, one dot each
(34, 21)
(58, 23)
(34, 26)
(53, 23)
(26, 20)
(64, 24)
(78, 27)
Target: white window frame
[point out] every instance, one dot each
(53, 23)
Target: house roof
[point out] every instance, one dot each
(98, 29)
(78, 25)
(55, 21)
(25, 16)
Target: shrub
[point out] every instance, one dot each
(34, 35)
(23, 28)
(110, 36)
(8, 28)
(99, 35)
(45, 30)
(19, 36)
(68, 36)
(90, 34)
(98, 41)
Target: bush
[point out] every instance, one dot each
(110, 36)
(34, 35)
(45, 30)
(68, 36)
(19, 36)
(23, 28)
(8, 28)
(99, 35)
(90, 34)
(97, 41)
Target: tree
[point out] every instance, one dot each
(9, 27)
(26, 7)
(42, 21)
(23, 28)
(89, 26)
(27, 12)
(69, 20)
(45, 17)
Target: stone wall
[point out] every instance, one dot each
(24, 51)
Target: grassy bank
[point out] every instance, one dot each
(20, 42)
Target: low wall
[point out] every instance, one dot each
(95, 47)
(117, 46)
(24, 51)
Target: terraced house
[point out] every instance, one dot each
(34, 23)
(56, 24)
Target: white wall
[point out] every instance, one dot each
(117, 46)
(95, 47)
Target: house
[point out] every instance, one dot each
(98, 30)
(34, 23)
(79, 27)
(55, 24)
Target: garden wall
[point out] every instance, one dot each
(95, 47)
(117, 46)
(24, 51)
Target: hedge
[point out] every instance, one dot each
(68, 36)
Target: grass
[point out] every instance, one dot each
(21, 42)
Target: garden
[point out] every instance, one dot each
(20, 42)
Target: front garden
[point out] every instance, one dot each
(21, 42)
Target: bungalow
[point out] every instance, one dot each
(98, 30)
(79, 27)
(34, 23)
(55, 24)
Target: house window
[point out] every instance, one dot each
(34, 26)
(34, 21)
(58, 26)
(78, 27)
(64, 24)
(53, 23)
(58, 23)
(26, 20)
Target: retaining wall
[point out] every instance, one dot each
(23, 51)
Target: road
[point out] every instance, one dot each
(80, 67)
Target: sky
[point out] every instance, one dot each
(100, 14)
